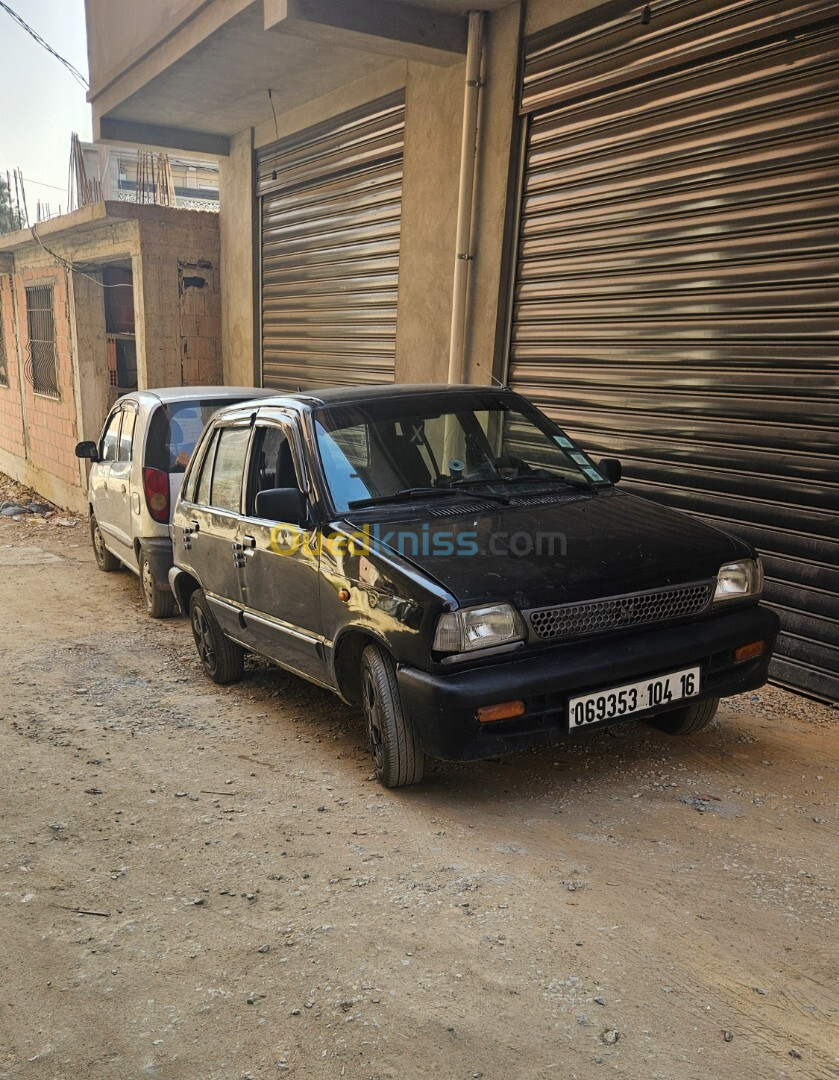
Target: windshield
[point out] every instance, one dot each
(174, 430)
(493, 442)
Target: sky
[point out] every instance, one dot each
(41, 104)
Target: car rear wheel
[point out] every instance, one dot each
(104, 559)
(222, 659)
(160, 603)
(688, 720)
(398, 758)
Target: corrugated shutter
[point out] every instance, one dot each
(676, 287)
(331, 201)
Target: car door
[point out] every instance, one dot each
(281, 574)
(119, 487)
(214, 513)
(99, 481)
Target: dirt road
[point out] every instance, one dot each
(255, 906)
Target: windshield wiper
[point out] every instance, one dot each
(420, 492)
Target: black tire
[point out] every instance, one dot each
(398, 758)
(160, 603)
(690, 719)
(106, 562)
(222, 659)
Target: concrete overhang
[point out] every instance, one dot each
(400, 30)
(205, 77)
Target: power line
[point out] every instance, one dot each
(75, 269)
(74, 71)
(43, 183)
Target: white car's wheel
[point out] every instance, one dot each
(104, 559)
(160, 603)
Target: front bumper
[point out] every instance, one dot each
(442, 706)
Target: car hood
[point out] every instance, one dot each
(581, 547)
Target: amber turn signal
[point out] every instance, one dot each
(487, 713)
(747, 652)
(344, 595)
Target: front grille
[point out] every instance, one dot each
(618, 612)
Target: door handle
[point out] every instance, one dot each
(124, 488)
(196, 527)
(249, 541)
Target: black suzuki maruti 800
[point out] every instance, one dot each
(450, 560)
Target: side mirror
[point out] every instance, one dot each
(87, 450)
(282, 504)
(611, 469)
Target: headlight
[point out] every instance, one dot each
(738, 579)
(478, 628)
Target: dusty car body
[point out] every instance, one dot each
(451, 560)
(136, 471)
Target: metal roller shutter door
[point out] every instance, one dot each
(675, 297)
(331, 202)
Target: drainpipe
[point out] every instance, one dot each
(466, 193)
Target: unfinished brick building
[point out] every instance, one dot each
(112, 297)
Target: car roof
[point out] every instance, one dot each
(171, 394)
(346, 395)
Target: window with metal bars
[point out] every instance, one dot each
(4, 368)
(41, 368)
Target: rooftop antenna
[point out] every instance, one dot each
(276, 126)
(498, 382)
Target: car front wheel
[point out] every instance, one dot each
(222, 659)
(690, 719)
(104, 559)
(398, 758)
(160, 603)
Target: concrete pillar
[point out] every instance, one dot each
(157, 318)
(434, 111)
(240, 301)
(496, 186)
(90, 349)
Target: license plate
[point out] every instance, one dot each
(632, 698)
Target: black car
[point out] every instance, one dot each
(449, 559)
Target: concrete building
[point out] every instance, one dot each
(648, 255)
(118, 170)
(112, 297)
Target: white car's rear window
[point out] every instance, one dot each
(175, 429)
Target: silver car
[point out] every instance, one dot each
(137, 469)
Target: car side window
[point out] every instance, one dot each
(126, 438)
(272, 464)
(229, 469)
(110, 438)
(205, 473)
